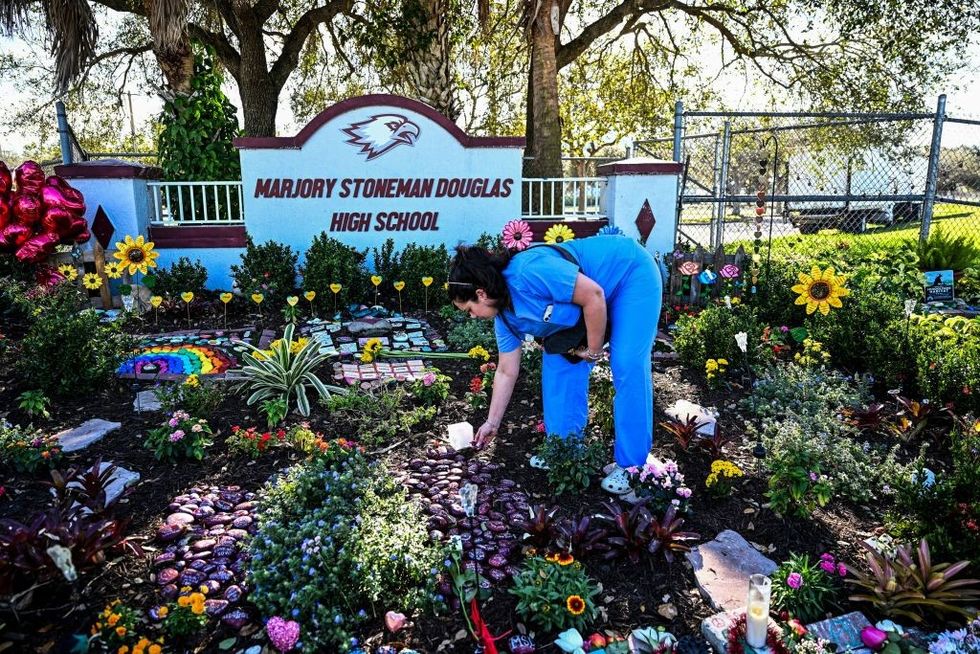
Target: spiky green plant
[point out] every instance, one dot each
(943, 251)
(281, 373)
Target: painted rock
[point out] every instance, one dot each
(163, 559)
(191, 577)
(215, 607)
(236, 618)
(167, 533)
(167, 576)
(234, 593)
(169, 592)
(203, 544)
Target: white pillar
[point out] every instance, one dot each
(644, 186)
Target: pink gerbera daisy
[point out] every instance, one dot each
(517, 235)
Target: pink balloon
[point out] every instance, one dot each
(37, 248)
(30, 177)
(14, 235)
(58, 221)
(78, 231)
(27, 209)
(5, 215)
(59, 193)
(6, 181)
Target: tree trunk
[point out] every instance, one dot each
(429, 72)
(260, 95)
(171, 45)
(544, 144)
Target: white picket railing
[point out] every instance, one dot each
(197, 203)
(579, 198)
(220, 203)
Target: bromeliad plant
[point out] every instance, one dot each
(903, 587)
(581, 537)
(635, 532)
(869, 420)
(554, 593)
(285, 371)
(685, 432)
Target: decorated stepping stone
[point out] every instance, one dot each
(843, 630)
(722, 569)
(146, 402)
(90, 431)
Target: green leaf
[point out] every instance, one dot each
(798, 334)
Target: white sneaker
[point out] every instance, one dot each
(539, 463)
(617, 482)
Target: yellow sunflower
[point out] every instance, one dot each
(69, 271)
(575, 605)
(113, 270)
(558, 233)
(91, 281)
(138, 254)
(820, 290)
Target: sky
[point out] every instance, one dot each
(738, 93)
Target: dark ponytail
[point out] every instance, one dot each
(474, 267)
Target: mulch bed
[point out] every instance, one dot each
(630, 597)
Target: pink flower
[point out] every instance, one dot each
(177, 436)
(729, 271)
(517, 235)
(173, 422)
(282, 633)
(841, 569)
(196, 429)
(813, 476)
(540, 427)
(689, 268)
(828, 566)
(428, 379)
(826, 556)
(684, 492)
(784, 329)
(794, 580)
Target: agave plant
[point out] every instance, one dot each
(900, 586)
(283, 373)
(683, 431)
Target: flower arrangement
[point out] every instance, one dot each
(554, 593)
(180, 436)
(807, 589)
(661, 483)
(722, 475)
(252, 443)
(25, 449)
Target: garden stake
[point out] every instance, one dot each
(155, 303)
(187, 297)
(398, 287)
(257, 298)
(335, 289)
(427, 282)
(309, 295)
(376, 280)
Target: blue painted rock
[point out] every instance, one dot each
(215, 607)
(236, 618)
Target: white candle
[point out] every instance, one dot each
(460, 435)
(757, 613)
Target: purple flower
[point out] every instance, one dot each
(794, 580)
(826, 556)
(784, 329)
(828, 566)
(176, 436)
(842, 569)
(428, 379)
(684, 492)
(814, 476)
(172, 422)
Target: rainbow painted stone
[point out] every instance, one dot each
(176, 355)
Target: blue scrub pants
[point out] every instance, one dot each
(634, 310)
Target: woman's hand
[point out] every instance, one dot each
(485, 434)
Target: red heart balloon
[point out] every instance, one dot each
(37, 248)
(30, 177)
(27, 209)
(14, 235)
(57, 220)
(77, 229)
(5, 215)
(59, 193)
(6, 181)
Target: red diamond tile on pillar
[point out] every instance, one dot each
(645, 221)
(102, 228)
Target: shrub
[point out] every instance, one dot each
(338, 540)
(183, 275)
(196, 397)
(601, 395)
(711, 334)
(943, 251)
(26, 449)
(377, 417)
(571, 461)
(554, 593)
(410, 266)
(269, 269)
(788, 388)
(946, 356)
(806, 589)
(285, 370)
(180, 436)
(470, 333)
(67, 350)
(328, 261)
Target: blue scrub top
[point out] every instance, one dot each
(541, 283)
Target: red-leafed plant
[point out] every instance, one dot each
(581, 537)
(716, 443)
(868, 420)
(683, 431)
(635, 532)
(541, 528)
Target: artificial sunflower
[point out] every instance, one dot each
(558, 233)
(820, 290)
(113, 270)
(137, 254)
(91, 281)
(575, 605)
(371, 349)
(69, 271)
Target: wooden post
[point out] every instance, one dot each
(100, 271)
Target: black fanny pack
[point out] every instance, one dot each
(565, 341)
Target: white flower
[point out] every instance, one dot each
(742, 339)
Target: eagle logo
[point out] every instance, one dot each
(381, 133)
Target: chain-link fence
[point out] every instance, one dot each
(883, 176)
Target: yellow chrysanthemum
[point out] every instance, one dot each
(820, 290)
(558, 234)
(192, 380)
(479, 352)
(137, 254)
(113, 270)
(91, 281)
(69, 271)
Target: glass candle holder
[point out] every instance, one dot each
(757, 612)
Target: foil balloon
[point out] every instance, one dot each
(78, 231)
(5, 216)
(37, 248)
(6, 180)
(57, 220)
(30, 177)
(14, 235)
(58, 193)
(27, 209)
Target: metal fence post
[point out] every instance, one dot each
(678, 130)
(66, 156)
(932, 175)
(717, 231)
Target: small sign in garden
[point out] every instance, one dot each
(939, 285)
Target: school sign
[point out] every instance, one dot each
(377, 167)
